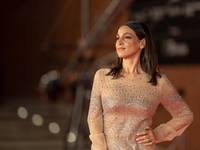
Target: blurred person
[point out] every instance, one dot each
(125, 97)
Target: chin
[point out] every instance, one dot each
(122, 56)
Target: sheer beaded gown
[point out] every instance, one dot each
(122, 107)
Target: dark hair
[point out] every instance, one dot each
(148, 57)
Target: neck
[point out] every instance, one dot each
(132, 66)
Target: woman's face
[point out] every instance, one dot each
(128, 45)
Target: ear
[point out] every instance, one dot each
(142, 43)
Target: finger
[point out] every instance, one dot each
(149, 143)
(152, 142)
(144, 141)
(151, 133)
(147, 131)
(148, 128)
(143, 133)
(141, 138)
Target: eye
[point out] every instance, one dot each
(127, 37)
(117, 38)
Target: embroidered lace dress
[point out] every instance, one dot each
(120, 108)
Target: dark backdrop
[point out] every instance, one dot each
(175, 27)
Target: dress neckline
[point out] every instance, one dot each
(133, 78)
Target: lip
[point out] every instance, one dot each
(120, 49)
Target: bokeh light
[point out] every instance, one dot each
(71, 137)
(54, 128)
(37, 120)
(22, 112)
(44, 79)
(53, 75)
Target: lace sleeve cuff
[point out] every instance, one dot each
(98, 142)
(164, 133)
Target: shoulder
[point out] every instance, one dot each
(165, 83)
(103, 71)
(101, 75)
(163, 78)
(160, 77)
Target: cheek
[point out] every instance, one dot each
(136, 45)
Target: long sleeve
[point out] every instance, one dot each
(179, 110)
(95, 117)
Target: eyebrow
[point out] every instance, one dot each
(126, 33)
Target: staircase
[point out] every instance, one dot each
(21, 134)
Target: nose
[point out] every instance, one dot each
(120, 42)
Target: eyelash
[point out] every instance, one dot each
(126, 37)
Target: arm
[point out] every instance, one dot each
(95, 118)
(175, 105)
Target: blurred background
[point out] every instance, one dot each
(50, 50)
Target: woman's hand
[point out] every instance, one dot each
(146, 137)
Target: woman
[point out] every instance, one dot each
(125, 97)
